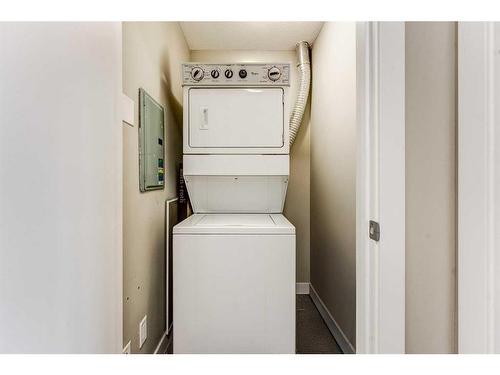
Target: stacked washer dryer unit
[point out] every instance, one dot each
(234, 258)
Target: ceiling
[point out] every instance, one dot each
(271, 36)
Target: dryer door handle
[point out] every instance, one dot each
(204, 118)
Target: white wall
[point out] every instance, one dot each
(152, 57)
(60, 188)
(297, 198)
(333, 172)
(431, 187)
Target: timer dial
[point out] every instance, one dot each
(197, 73)
(274, 73)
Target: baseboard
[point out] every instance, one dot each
(302, 288)
(162, 346)
(332, 325)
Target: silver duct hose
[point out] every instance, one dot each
(304, 66)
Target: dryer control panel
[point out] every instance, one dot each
(243, 74)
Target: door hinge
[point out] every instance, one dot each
(374, 230)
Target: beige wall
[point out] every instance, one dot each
(430, 187)
(152, 53)
(333, 172)
(297, 200)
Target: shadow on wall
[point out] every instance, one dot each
(297, 203)
(173, 103)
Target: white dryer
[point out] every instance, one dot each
(234, 259)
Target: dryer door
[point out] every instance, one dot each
(236, 118)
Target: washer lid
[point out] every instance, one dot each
(235, 224)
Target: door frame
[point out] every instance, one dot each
(478, 187)
(380, 195)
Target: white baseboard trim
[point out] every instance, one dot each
(161, 348)
(301, 288)
(332, 325)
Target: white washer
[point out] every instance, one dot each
(234, 284)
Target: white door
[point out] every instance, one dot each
(380, 264)
(236, 118)
(478, 187)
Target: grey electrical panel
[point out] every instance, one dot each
(151, 143)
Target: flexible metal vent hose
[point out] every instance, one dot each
(304, 67)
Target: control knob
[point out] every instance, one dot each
(228, 73)
(242, 73)
(197, 73)
(274, 73)
(215, 73)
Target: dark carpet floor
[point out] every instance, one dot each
(312, 334)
